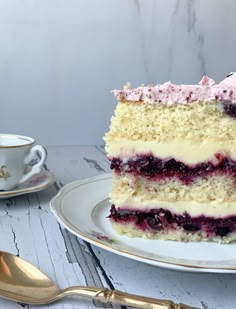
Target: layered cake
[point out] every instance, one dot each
(172, 150)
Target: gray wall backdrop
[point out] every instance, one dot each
(60, 59)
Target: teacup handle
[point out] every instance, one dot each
(36, 168)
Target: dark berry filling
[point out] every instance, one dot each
(154, 168)
(159, 219)
(229, 108)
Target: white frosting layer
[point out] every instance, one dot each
(213, 209)
(190, 153)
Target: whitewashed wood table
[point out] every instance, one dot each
(30, 230)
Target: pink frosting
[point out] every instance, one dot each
(207, 89)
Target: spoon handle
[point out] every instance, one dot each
(117, 297)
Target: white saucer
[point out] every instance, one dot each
(83, 206)
(35, 183)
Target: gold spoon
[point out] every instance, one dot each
(22, 282)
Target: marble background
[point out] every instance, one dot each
(60, 59)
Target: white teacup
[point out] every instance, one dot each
(16, 152)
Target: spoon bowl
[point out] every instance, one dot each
(22, 282)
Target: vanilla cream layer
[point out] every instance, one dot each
(184, 151)
(215, 208)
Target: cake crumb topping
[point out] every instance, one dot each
(127, 86)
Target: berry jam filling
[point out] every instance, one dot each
(159, 219)
(154, 168)
(229, 108)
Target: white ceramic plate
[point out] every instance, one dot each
(35, 183)
(83, 206)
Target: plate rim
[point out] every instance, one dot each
(34, 188)
(148, 260)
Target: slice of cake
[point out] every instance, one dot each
(173, 154)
